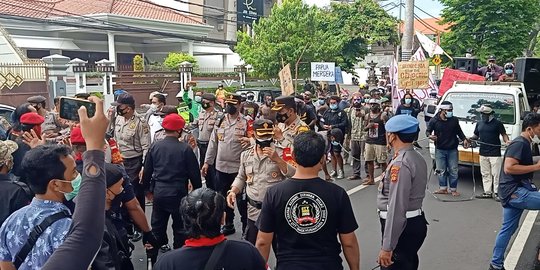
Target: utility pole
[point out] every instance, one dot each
(408, 33)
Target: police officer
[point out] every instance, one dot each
(224, 149)
(133, 137)
(169, 166)
(260, 168)
(289, 122)
(400, 198)
(206, 123)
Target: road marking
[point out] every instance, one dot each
(360, 187)
(519, 243)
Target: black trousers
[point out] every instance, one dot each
(224, 182)
(162, 209)
(211, 174)
(133, 167)
(405, 256)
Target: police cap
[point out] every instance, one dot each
(402, 123)
(263, 127)
(126, 99)
(233, 99)
(36, 99)
(283, 101)
(209, 96)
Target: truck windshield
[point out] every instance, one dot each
(465, 105)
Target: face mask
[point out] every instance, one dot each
(449, 114)
(486, 117)
(75, 184)
(321, 101)
(230, 109)
(198, 99)
(408, 101)
(205, 105)
(262, 143)
(333, 106)
(334, 143)
(250, 98)
(153, 107)
(282, 117)
(120, 112)
(508, 72)
(534, 138)
(375, 108)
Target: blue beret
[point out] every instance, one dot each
(402, 123)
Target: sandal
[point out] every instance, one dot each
(441, 191)
(455, 194)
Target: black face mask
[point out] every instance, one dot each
(205, 105)
(120, 112)
(263, 143)
(231, 109)
(375, 108)
(281, 118)
(485, 117)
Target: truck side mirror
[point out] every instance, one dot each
(524, 113)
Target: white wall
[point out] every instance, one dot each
(216, 61)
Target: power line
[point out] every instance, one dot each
(424, 23)
(438, 19)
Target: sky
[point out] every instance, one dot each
(433, 7)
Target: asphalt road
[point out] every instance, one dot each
(461, 235)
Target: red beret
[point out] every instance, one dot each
(173, 122)
(32, 118)
(76, 136)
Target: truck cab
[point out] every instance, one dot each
(508, 99)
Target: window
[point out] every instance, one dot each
(465, 105)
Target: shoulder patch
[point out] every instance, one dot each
(394, 173)
(301, 129)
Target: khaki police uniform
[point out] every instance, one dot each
(289, 131)
(399, 203)
(224, 150)
(206, 123)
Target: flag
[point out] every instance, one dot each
(431, 47)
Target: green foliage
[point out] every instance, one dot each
(173, 60)
(138, 63)
(298, 34)
(498, 27)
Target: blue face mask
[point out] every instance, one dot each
(76, 185)
(198, 99)
(335, 143)
(321, 101)
(408, 101)
(449, 114)
(333, 106)
(509, 72)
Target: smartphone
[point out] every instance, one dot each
(70, 106)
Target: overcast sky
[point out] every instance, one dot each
(433, 7)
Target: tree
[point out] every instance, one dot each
(174, 59)
(298, 34)
(504, 28)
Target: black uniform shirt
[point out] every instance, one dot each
(169, 164)
(519, 149)
(12, 197)
(306, 216)
(490, 133)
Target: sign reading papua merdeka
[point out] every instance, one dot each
(413, 74)
(249, 10)
(323, 71)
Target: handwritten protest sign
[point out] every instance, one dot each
(321, 71)
(286, 81)
(413, 74)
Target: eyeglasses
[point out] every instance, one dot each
(358, 99)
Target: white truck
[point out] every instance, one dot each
(508, 100)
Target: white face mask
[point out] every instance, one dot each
(534, 138)
(153, 107)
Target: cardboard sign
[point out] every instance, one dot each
(322, 71)
(452, 75)
(286, 81)
(413, 74)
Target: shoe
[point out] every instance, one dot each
(496, 197)
(353, 177)
(333, 174)
(485, 196)
(340, 175)
(165, 248)
(491, 267)
(228, 229)
(415, 144)
(136, 237)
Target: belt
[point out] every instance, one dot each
(202, 142)
(409, 214)
(254, 203)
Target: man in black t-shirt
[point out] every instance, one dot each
(305, 213)
(516, 190)
(488, 130)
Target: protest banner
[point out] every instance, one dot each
(413, 74)
(452, 75)
(322, 71)
(286, 81)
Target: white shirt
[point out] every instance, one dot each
(154, 121)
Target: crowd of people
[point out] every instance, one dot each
(195, 162)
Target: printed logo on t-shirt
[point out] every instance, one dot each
(306, 212)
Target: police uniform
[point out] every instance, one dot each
(400, 198)
(206, 123)
(289, 131)
(257, 173)
(224, 150)
(133, 139)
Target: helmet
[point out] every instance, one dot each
(509, 66)
(374, 101)
(384, 99)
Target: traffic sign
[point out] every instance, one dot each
(437, 60)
